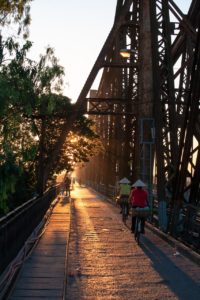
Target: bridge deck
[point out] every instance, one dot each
(43, 273)
(104, 262)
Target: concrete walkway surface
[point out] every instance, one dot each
(103, 262)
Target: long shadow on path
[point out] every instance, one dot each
(176, 279)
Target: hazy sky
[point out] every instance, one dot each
(77, 30)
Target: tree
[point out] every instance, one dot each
(17, 11)
(17, 142)
(37, 123)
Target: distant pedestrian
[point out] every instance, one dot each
(67, 185)
(138, 198)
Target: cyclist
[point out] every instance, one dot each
(138, 198)
(124, 191)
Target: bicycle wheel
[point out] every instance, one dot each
(124, 213)
(137, 230)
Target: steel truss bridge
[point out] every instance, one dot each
(147, 113)
(146, 108)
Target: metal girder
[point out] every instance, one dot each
(172, 59)
(105, 106)
(102, 58)
(190, 139)
(157, 83)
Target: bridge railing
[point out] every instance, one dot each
(18, 225)
(107, 190)
(189, 225)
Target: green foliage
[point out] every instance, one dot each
(8, 175)
(78, 147)
(33, 117)
(16, 11)
(23, 97)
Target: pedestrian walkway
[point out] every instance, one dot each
(43, 273)
(104, 262)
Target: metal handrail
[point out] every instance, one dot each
(17, 225)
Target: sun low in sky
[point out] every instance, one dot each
(77, 31)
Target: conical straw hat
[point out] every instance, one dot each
(138, 183)
(124, 180)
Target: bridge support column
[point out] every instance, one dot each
(145, 149)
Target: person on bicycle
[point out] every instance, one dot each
(138, 198)
(124, 191)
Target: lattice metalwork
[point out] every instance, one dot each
(146, 108)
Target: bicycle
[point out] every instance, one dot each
(124, 212)
(125, 208)
(138, 229)
(139, 214)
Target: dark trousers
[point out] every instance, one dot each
(68, 191)
(124, 202)
(134, 220)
